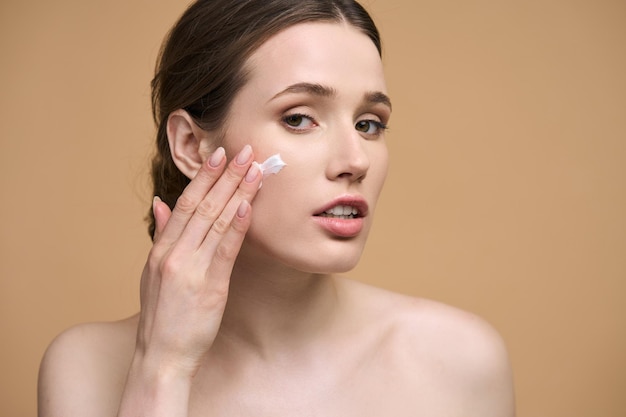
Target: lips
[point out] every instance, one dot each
(347, 207)
(343, 217)
(341, 212)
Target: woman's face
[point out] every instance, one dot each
(315, 94)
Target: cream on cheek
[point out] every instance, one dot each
(271, 165)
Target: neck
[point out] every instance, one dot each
(273, 309)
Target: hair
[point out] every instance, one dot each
(201, 65)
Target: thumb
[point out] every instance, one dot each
(162, 214)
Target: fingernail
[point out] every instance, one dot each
(243, 209)
(244, 155)
(216, 158)
(253, 172)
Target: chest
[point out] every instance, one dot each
(376, 388)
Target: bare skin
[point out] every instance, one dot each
(242, 313)
(391, 355)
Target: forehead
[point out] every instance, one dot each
(333, 54)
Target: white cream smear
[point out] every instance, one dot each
(271, 165)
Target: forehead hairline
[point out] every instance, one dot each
(304, 80)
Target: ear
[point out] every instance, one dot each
(188, 142)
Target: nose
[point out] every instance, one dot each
(348, 156)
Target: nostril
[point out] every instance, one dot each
(353, 176)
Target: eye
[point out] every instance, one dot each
(370, 127)
(299, 122)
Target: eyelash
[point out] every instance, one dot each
(380, 126)
(287, 117)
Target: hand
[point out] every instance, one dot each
(184, 285)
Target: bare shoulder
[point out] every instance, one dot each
(84, 369)
(450, 352)
(467, 357)
(463, 342)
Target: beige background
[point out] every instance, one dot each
(506, 195)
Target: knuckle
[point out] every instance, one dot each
(220, 226)
(154, 258)
(216, 292)
(207, 209)
(220, 292)
(232, 176)
(170, 266)
(186, 204)
(225, 253)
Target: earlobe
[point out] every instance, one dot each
(185, 138)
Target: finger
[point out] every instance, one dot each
(161, 214)
(218, 274)
(218, 207)
(193, 194)
(222, 225)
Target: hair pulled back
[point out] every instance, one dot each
(201, 65)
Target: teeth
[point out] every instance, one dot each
(347, 212)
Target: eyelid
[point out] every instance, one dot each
(295, 113)
(378, 109)
(380, 127)
(380, 113)
(374, 117)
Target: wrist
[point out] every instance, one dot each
(155, 388)
(159, 368)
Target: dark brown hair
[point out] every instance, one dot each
(201, 65)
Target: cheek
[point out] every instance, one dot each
(379, 166)
(302, 163)
(279, 210)
(289, 194)
(384, 165)
(286, 186)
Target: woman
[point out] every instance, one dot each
(241, 313)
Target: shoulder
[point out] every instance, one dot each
(466, 355)
(421, 324)
(456, 353)
(85, 367)
(455, 337)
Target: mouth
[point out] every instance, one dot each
(341, 212)
(345, 208)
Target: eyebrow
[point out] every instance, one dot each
(319, 90)
(378, 97)
(307, 88)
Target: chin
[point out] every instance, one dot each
(329, 266)
(337, 256)
(331, 259)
